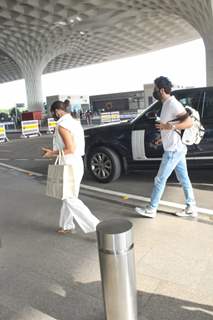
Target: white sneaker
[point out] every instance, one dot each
(189, 211)
(146, 212)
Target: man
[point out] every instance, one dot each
(67, 105)
(174, 157)
(88, 117)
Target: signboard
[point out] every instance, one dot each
(51, 124)
(115, 116)
(30, 128)
(9, 125)
(107, 117)
(3, 137)
(20, 105)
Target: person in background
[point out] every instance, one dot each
(69, 138)
(67, 106)
(88, 117)
(174, 157)
(74, 114)
(81, 114)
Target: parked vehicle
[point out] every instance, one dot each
(127, 146)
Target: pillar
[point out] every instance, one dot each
(34, 89)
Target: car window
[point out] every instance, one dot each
(192, 99)
(208, 105)
(157, 108)
(154, 110)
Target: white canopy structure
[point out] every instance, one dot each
(42, 36)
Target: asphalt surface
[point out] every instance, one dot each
(26, 154)
(45, 276)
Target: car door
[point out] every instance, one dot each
(205, 148)
(144, 134)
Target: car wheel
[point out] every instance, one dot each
(104, 164)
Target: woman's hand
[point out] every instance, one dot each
(48, 153)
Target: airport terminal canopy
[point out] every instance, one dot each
(41, 36)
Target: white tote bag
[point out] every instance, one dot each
(60, 180)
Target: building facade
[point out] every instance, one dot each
(123, 102)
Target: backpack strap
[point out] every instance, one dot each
(183, 117)
(180, 132)
(180, 119)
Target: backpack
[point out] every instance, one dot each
(194, 134)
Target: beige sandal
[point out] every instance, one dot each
(62, 231)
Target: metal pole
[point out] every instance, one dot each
(117, 265)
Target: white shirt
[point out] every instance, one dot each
(76, 130)
(171, 140)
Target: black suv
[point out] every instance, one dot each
(127, 146)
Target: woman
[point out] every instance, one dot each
(69, 138)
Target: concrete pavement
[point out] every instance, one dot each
(44, 276)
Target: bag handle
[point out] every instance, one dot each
(60, 157)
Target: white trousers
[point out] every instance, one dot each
(74, 208)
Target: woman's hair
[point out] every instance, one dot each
(165, 83)
(57, 105)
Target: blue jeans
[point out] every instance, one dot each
(172, 160)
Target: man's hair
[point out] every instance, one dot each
(165, 83)
(59, 105)
(66, 101)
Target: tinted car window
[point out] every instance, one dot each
(192, 99)
(155, 110)
(152, 113)
(208, 106)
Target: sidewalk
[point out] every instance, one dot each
(44, 276)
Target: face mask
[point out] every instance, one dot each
(156, 94)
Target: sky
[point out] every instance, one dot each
(184, 64)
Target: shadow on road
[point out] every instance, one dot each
(84, 302)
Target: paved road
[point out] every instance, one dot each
(44, 276)
(26, 153)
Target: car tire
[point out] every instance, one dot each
(104, 164)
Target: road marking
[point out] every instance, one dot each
(144, 199)
(197, 309)
(195, 184)
(21, 170)
(14, 159)
(115, 193)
